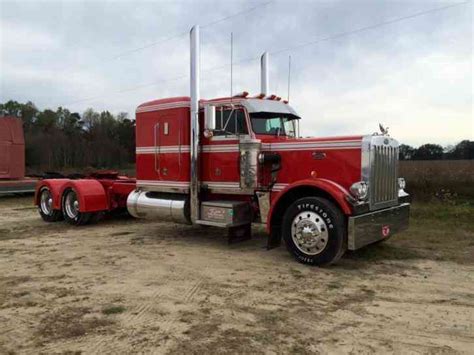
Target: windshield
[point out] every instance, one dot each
(277, 124)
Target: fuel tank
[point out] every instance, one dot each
(159, 206)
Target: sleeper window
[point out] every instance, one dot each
(230, 122)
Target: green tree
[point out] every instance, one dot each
(405, 152)
(462, 150)
(428, 152)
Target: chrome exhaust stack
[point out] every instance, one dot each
(194, 138)
(264, 77)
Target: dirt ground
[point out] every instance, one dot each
(124, 286)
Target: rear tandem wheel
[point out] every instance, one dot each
(45, 206)
(71, 207)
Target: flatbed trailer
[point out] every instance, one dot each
(19, 186)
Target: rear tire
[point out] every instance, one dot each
(45, 206)
(314, 231)
(70, 204)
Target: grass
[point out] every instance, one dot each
(70, 322)
(113, 310)
(438, 231)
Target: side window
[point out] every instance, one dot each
(230, 122)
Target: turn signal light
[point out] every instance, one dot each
(401, 184)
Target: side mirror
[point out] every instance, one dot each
(210, 117)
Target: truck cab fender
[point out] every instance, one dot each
(91, 194)
(55, 186)
(319, 186)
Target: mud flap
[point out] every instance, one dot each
(274, 239)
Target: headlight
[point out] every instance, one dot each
(360, 190)
(401, 184)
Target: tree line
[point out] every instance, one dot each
(462, 150)
(59, 139)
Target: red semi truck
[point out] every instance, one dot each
(234, 161)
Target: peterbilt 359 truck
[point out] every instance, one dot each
(234, 161)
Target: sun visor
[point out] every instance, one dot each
(268, 106)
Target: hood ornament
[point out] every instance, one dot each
(383, 130)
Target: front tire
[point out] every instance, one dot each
(45, 206)
(314, 231)
(70, 204)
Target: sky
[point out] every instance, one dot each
(354, 63)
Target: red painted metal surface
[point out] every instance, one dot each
(91, 194)
(163, 160)
(56, 188)
(94, 193)
(12, 148)
(331, 164)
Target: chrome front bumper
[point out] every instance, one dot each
(374, 226)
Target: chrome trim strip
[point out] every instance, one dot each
(327, 145)
(163, 183)
(163, 149)
(221, 148)
(279, 186)
(228, 148)
(221, 184)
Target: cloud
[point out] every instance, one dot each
(20, 38)
(415, 76)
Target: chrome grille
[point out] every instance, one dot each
(381, 171)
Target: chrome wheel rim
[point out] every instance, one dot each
(71, 205)
(46, 202)
(309, 232)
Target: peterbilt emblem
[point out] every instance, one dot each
(318, 155)
(385, 231)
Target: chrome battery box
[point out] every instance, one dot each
(225, 213)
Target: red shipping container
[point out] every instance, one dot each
(12, 148)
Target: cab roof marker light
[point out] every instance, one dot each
(242, 94)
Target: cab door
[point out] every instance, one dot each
(168, 148)
(221, 157)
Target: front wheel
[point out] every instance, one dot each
(72, 215)
(314, 231)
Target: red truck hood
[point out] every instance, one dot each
(333, 158)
